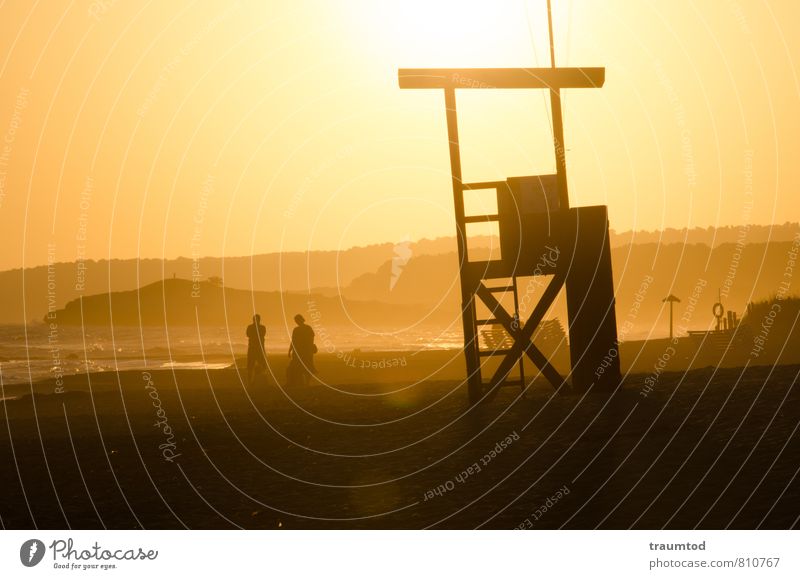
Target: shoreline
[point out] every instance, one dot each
(652, 356)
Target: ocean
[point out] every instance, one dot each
(37, 352)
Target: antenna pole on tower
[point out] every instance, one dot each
(550, 34)
(558, 123)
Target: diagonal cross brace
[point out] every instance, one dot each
(525, 334)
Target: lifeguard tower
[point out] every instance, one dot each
(534, 220)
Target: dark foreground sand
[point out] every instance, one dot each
(709, 448)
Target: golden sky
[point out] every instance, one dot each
(159, 129)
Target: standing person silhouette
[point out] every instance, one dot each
(256, 358)
(301, 353)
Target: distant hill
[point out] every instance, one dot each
(711, 236)
(179, 302)
(25, 296)
(643, 273)
(421, 272)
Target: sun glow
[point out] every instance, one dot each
(450, 32)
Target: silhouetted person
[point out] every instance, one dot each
(256, 358)
(301, 353)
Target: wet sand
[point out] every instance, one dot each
(708, 448)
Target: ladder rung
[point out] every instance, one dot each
(493, 352)
(484, 185)
(481, 218)
(501, 288)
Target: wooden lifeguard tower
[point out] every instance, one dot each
(535, 219)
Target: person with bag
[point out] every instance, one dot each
(301, 354)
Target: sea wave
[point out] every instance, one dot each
(34, 352)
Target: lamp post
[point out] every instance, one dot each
(671, 299)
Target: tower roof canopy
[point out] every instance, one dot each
(550, 78)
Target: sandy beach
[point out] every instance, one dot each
(370, 448)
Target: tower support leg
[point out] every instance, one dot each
(594, 348)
